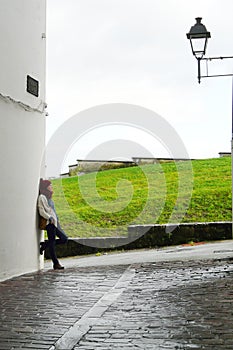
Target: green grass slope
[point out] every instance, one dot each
(105, 203)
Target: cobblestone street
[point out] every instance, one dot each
(160, 305)
(184, 306)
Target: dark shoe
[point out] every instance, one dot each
(42, 247)
(58, 267)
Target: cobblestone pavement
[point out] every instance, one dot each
(162, 305)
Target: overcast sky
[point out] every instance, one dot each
(136, 52)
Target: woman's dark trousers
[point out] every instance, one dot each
(52, 232)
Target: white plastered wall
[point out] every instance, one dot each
(22, 133)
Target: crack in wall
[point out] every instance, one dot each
(40, 109)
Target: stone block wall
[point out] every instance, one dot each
(148, 236)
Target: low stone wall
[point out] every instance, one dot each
(166, 235)
(88, 166)
(84, 246)
(148, 236)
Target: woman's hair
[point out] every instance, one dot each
(43, 189)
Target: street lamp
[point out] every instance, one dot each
(198, 37)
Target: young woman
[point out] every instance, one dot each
(47, 210)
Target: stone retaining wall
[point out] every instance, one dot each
(148, 236)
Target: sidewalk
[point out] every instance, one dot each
(174, 298)
(216, 250)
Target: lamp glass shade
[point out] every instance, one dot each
(198, 36)
(198, 47)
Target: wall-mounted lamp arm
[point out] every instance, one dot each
(211, 59)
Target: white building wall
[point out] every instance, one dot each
(22, 133)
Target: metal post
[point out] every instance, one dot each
(232, 156)
(199, 69)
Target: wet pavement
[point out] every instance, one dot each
(141, 302)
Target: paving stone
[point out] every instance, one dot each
(43, 306)
(165, 304)
(162, 305)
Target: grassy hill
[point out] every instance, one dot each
(105, 203)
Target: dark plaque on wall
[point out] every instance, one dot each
(32, 86)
